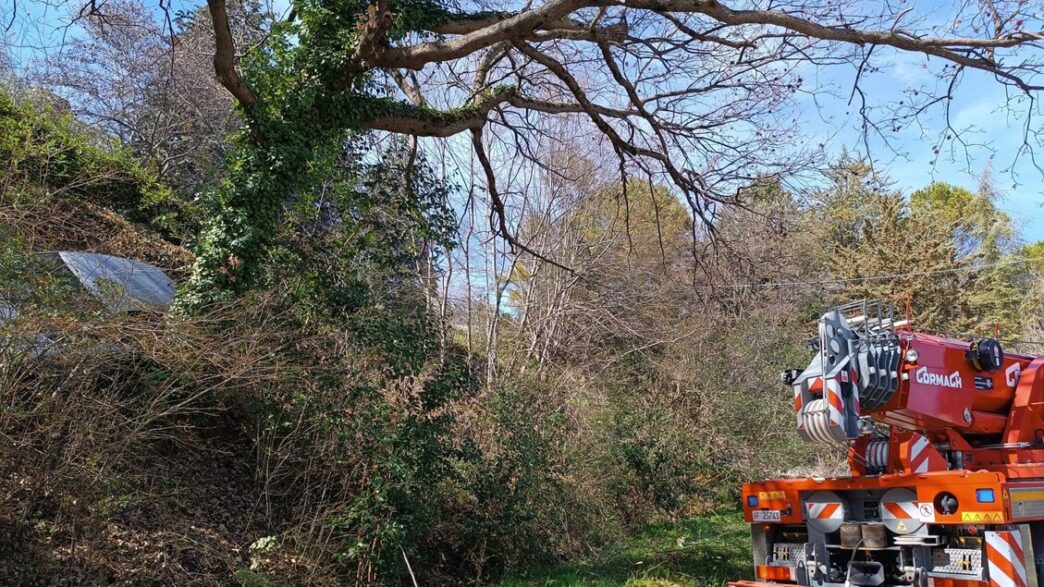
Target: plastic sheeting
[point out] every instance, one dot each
(121, 284)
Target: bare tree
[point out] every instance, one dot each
(695, 92)
(152, 86)
(699, 94)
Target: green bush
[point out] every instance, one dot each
(45, 153)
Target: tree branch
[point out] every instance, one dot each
(371, 44)
(225, 55)
(524, 23)
(686, 181)
(410, 87)
(892, 38)
(545, 17)
(498, 214)
(426, 122)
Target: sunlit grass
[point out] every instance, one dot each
(703, 551)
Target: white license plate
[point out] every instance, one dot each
(766, 515)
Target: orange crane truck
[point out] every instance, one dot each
(945, 442)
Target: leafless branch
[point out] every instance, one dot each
(225, 56)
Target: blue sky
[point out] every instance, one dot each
(993, 130)
(990, 124)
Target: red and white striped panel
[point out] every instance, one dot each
(901, 517)
(825, 511)
(899, 510)
(919, 456)
(1006, 564)
(835, 405)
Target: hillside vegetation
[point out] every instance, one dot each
(346, 421)
(373, 375)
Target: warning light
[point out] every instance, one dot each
(985, 495)
(752, 501)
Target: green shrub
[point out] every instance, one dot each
(46, 154)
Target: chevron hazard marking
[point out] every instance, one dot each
(825, 511)
(1006, 564)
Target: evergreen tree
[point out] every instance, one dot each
(947, 250)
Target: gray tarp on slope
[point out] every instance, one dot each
(121, 285)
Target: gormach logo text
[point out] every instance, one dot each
(923, 375)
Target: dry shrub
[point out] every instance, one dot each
(113, 465)
(55, 223)
(314, 431)
(242, 444)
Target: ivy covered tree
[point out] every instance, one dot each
(695, 93)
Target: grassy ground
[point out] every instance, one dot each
(703, 551)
